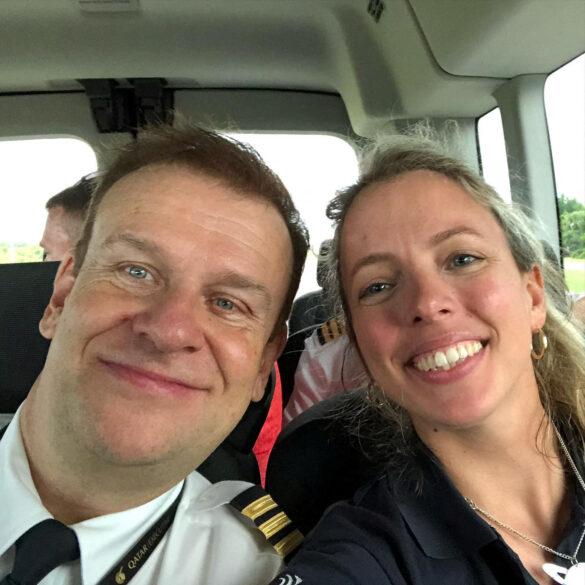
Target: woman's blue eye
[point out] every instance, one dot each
(374, 289)
(225, 304)
(463, 260)
(138, 272)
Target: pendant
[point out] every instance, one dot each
(574, 575)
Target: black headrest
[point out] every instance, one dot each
(25, 290)
(309, 309)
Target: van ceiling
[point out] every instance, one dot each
(388, 59)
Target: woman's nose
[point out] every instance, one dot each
(430, 298)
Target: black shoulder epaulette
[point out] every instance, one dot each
(330, 330)
(270, 519)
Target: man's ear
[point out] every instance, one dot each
(271, 352)
(536, 298)
(61, 288)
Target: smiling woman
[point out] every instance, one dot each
(449, 299)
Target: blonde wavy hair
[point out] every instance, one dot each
(560, 374)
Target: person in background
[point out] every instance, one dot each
(326, 364)
(329, 364)
(164, 326)
(478, 369)
(66, 215)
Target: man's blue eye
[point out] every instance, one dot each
(225, 304)
(138, 272)
(463, 260)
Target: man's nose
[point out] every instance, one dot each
(172, 322)
(430, 298)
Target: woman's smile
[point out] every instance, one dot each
(447, 358)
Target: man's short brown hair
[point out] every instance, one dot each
(206, 152)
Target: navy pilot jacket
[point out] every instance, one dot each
(389, 534)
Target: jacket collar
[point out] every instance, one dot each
(438, 516)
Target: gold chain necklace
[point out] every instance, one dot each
(577, 570)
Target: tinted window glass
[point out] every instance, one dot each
(564, 95)
(492, 148)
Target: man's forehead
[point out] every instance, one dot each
(167, 173)
(160, 183)
(56, 213)
(156, 186)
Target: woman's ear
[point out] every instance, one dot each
(62, 286)
(536, 296)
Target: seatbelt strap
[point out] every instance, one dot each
(270, 519)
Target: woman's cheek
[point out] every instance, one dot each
(377, 339)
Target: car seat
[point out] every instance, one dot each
(318, 461)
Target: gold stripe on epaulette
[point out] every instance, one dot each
(334, 328)
(276, 523)
(291, 541)
(259, 507)
(331, 330)
(326, 332)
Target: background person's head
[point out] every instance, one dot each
(387, 165)
(66, 215)
(170, 320)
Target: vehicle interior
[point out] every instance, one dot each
(98, 70)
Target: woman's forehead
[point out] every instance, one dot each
(421, 198)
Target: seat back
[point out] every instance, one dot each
(316, 462)
(25, 290)
(308, 310)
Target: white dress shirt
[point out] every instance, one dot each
(209, 542)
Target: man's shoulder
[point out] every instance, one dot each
(251, 505)
(215, 540)
(199, 488)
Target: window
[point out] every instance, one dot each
(492, 148)
(33, 170)
(564, 96)
(313, 167)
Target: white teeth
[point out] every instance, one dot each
(462, 351)
(452, 356)
(445, 360)
(440, 360)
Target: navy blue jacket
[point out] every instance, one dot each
(389, 534)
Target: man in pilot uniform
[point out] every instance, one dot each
(164, 326)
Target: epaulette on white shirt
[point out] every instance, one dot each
(270, 519)
(330, 330)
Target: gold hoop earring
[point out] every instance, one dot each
(543, 342)
(374, 396)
